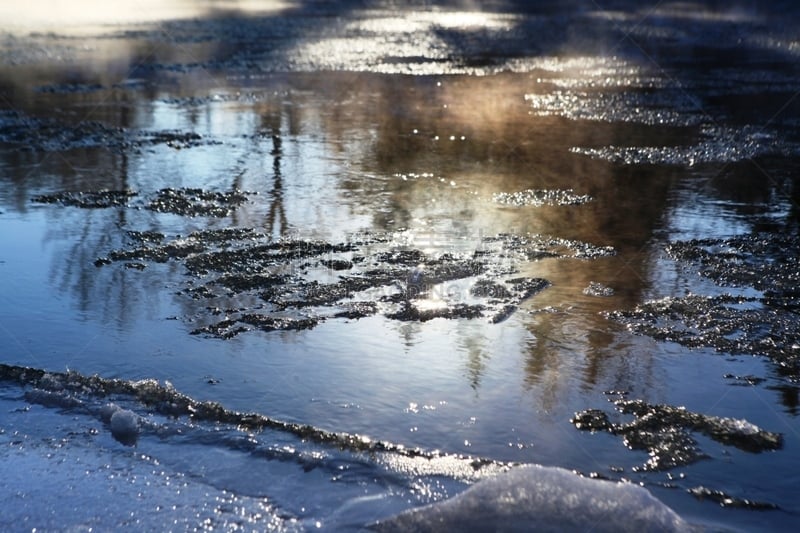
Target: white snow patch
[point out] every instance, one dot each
(539, 498)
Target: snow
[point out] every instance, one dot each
(124, 423)
(539, 498)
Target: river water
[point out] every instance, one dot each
(420, 246)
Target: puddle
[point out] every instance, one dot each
(70, 88)
(356, 208)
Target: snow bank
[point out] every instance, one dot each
(538, 498)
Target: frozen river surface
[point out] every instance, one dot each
(328, 266)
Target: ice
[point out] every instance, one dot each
(739, 426)
(125, 426)
(124, 423)
(539, 498)
(201, 470)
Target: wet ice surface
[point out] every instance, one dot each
(373, 273)
(383, 254)
(147, 465)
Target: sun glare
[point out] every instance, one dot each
(72, 14)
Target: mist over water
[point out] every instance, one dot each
(331, 262)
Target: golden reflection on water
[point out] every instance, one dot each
(344, 151)
(337, 153)
(442, 147)
(474, 137)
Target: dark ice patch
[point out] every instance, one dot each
(730, 324)
(337, 264)
(296, 286)
(410, 313)
(715, 145)
(726, 500)
(150, 237)
(765, 261)
(191, 202)
(197, 202)
(87, 199)
(665, 432)
(51, 135)
(229, 328)
(356, 310)
(598, 289)
(764, 325)
(486, 288)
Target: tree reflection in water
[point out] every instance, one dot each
(341, 144)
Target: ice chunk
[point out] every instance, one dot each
(52, 399)
(125, 426)
(107, 411)
(739, 427)
(538, 498)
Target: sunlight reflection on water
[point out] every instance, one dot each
(308, 112)
(84, 15)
